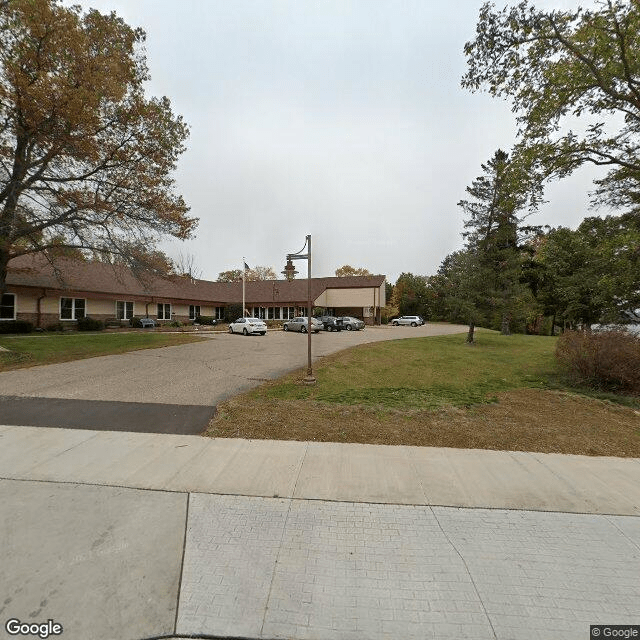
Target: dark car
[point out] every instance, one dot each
(331, 323)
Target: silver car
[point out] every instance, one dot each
(352, 324)
(247, 326)
(413, 321)
(300, 324)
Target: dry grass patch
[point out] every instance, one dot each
(522, 420)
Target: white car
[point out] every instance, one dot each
(413, 321)
(247, 326)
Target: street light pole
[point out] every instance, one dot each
(290, 272)
(309, 379)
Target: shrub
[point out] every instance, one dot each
(205, 320)
(90, 324)
(16, 326)
(175, 323)
(56, 326)
(233, 312)
(602, 359)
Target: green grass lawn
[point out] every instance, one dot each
(504, 393)
(28, 351)
(427, 373)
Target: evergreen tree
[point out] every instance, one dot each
(495, 232)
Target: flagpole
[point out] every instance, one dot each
(243, 272)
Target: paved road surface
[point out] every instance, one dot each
(110, 391)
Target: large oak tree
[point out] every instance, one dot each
(86, 159)
(574, 81)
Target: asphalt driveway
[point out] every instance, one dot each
(131, 391)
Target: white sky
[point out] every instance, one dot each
(343, 119)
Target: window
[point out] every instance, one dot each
(164, 312)
(270, 313)
(8, 306)
(288, 313)
(124, 310)
(194, 311)
(72, 308)
(219, 313)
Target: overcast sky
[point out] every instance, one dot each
(345, 120)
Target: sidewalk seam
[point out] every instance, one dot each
(323, 499)
(275, 567)
(415, 473)
(57, 455)
(464, 562)
(631, 541)
(184, 548)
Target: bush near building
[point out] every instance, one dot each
(16, 326)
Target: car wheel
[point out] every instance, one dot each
(317, 331)
(285, 327)
(349, 327)
(329, 328)
(264, 333)
(395, 324)
(230, 330)
(303, 330)
(413, 324)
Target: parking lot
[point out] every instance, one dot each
(199, 374)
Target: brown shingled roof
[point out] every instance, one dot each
(110, 280)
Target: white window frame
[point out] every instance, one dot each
(15, 306)
(196, 311)
(125, 303)
(163, 315)
(73, 317)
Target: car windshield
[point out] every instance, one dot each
(254, 320)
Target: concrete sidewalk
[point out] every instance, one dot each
(129, 536)
(324, 471)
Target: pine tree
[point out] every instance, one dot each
(495, 231)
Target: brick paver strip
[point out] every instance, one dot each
(280, 568)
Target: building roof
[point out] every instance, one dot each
(115, 280)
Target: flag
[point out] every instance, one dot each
(246, 266)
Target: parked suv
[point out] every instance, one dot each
(331, 323)
(414, 321)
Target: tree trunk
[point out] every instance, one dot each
(472, 326)
(553, 324)
(505, 324)
(4, 262)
